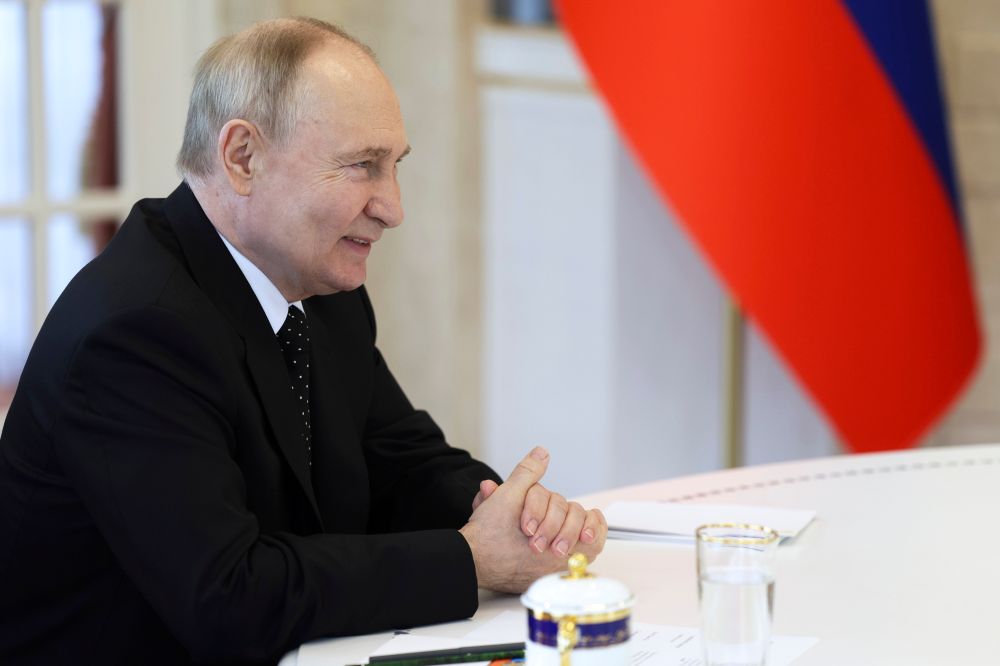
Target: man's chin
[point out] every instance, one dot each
(342, 283)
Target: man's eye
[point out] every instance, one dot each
(367, 164)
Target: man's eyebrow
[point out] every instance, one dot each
(373, 153)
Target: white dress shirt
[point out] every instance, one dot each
(274, 304)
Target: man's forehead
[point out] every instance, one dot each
(352, 89)
(339, 64)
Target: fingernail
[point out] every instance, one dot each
(588, 535)
(538, 453)
(540, 543)
(562, 547)
(532, 527)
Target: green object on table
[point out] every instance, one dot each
(462, 655)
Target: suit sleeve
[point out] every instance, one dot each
(146, 438)
(417, 480)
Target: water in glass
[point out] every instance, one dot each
(736, 606)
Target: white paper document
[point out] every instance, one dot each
(407, 643)
(507, 627)
(652, 644)
(660, 645)
(672, 521)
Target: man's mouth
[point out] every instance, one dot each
(359, 241)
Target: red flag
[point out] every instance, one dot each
(799, 144)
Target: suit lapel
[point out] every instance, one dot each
(338, 460)
(215, 271)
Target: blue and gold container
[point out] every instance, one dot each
(578, 619)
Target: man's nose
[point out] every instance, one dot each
(385, 204)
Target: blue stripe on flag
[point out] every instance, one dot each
(899, 32)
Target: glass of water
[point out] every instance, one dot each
(736, 592)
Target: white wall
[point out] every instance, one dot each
(668, 348)
(549, 305)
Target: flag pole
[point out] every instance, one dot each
(733, 383)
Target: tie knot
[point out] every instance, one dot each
(293, 337)
(295, 329)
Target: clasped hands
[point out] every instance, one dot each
(520, 531)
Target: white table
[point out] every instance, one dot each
(899, 567)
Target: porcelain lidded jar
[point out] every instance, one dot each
(577, 619)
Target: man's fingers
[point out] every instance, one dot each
(486, 488)
(595, 527)
(529, 471)
(535, 504)
(555, 516)
(595, 524)
(569, 534)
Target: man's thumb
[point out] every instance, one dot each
(529, 471)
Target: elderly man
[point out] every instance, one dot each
(207, 459)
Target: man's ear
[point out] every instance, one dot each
(239, 142)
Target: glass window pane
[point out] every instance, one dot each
(14, 130)
(16, 326)
(72, 243)
(79, 45)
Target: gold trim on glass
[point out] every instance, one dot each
(768, 535)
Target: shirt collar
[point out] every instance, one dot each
(273, 303)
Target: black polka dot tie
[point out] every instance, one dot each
(293, 336)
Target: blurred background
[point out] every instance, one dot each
(539, 293)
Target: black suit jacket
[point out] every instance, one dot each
(155, 501)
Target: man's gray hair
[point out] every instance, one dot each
(251, 75)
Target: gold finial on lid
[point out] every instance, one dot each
(577, 567)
